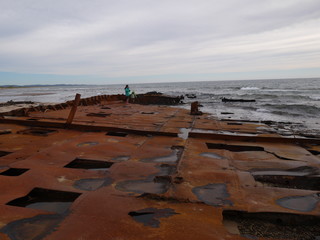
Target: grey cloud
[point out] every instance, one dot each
(131, 37)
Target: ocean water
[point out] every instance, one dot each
(280, 100)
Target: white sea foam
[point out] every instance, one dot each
(249, 88)
(263, 110)
(315, 98)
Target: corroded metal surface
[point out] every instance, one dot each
(128, 171)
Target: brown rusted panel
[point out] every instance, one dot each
(80, 127)
(136, 174)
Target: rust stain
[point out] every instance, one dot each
(131, 171)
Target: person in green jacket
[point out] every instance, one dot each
(127, 93)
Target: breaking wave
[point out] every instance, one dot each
(249, 88)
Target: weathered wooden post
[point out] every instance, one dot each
(73, 109)
(195, 109)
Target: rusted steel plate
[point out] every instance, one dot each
(134, 173)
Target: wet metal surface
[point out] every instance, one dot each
(92, 184)
(56, 207)
(143, 186)
(86, 144)
(166, 169)
(211, 155)
(151, 216)
(300, 171)
(32, 228)
(300, 203)
(213, 194)
(184, 132)
(121, 158)
(167, 175)
(172, 158)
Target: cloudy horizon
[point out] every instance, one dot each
(135, 41)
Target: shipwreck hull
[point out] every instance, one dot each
(132, 171)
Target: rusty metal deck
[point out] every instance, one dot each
(127, 171)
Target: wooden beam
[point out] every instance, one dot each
(73, 109)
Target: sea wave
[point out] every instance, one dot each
(293, 109)
(280, 90)
(315, 98)
(249, 88)
(263, 110)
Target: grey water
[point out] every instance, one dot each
(279, 100)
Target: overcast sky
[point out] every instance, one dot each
(117, 41)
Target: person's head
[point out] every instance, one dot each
(127, 86)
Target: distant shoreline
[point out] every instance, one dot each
(7, 86)
(32, 86)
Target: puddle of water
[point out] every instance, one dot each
(98, 169)
(32, 228)
(299, 171)
(92, 184)
(57, 207)
(86, 144)
(213, 194)
(211, 155)
(300, 203)
(150, 216)
(166, 169)
(143, 186)
(184, 132)
(121, 158)
(172, 158)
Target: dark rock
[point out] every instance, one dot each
(189, 95)
(237, 100)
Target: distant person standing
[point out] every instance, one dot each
(127, 92)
